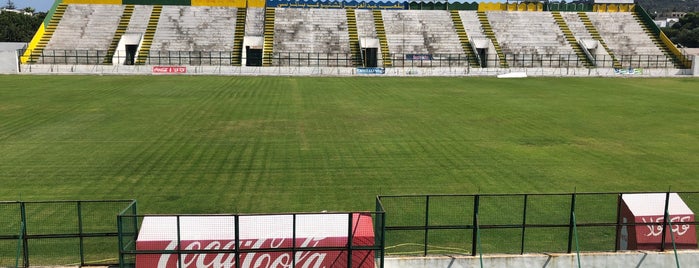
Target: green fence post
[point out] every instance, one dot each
(120, 239)
(427, 223)
(349, 239)
(237, 241)
(524, 223)
(571, 223)
(80, 233)
(19, 243)
(674, 246)
(577, 246)
(25, 246)
(665, 218)
(474, 239)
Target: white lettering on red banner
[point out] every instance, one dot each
(657, 229)
(224, 260)
(169, 69)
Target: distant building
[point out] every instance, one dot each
(667, 22)
(16, 11)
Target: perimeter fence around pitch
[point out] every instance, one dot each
(398, 60)
(278, 243)
(74, 233)
(421, 225)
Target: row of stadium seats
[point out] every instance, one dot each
(326, 31)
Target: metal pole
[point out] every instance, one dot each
(618, 221)
(25, 246)
(349, 239)
(179, 246)
(237, 240)
(524, 222)
(474, 239)
(293, 241)
(80, 232)
(572, 223)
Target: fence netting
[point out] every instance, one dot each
(77, 233)
(420, 225)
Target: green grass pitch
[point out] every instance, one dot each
(203, 144)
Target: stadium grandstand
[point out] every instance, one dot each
(351, 37)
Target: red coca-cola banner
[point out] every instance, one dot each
(646, 211)
(362, 235)
(169, 69)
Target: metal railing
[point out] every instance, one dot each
(59, 232)
(420, 225)
(302, 59)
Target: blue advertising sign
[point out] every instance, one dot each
(374, 70)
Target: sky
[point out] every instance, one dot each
(38, 5)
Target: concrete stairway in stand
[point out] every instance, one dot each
(268, 37)
(488, 30)
(595, 35)
(149, 34)
(121, 29)
(236, 56)
(353, 37)
(570, 37)
(463, 37)
(381, 34)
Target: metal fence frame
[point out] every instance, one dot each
(475, 226)
(26, 238)
(305, 59)
(129, 222)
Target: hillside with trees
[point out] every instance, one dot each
(19, 26)
(664, 6)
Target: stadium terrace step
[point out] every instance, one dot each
(268, 37)
(149, 34)
(488, 30)
(355, 50)
(48, 33)
(84, 34)
(595, 35)
(572, 41)
(463, 37)
(237, 55)
(381, 34)
(310, 37)
(121, 29)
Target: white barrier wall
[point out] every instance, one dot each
(346, 71)
(8, 62)
(638, 259)
(8, 57)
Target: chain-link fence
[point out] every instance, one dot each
(59, 233)
(420, 225)
(348, 239)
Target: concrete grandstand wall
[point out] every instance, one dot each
(686, 258)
